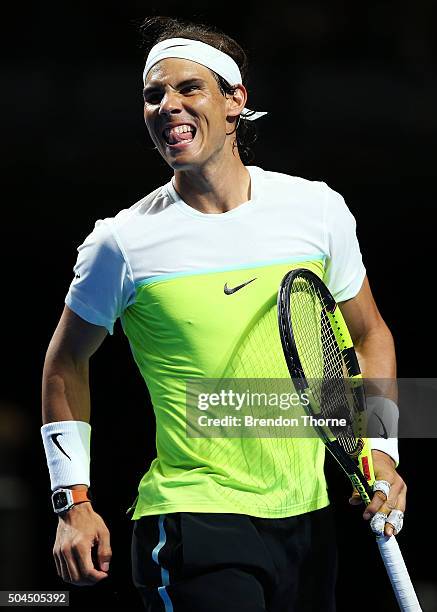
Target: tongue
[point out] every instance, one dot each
(175, 137)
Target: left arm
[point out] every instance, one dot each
(372, 338)
(376, 355)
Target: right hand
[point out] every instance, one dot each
(79, 530)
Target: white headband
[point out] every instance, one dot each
(201, 53)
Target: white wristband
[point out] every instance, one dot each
(382, 419)
(390, 447)
(67, 448)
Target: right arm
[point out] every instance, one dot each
(65, 391)
(66, 397)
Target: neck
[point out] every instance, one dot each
(216, 188)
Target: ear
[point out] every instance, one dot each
(236, 101)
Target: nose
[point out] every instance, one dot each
(170, 103)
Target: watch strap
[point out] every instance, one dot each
(80, 495)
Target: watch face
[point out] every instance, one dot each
(60, 500)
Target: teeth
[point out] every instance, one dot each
(180, 129)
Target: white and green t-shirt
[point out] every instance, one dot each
(161, 267)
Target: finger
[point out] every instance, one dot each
(65, 574)
(382, 485)
(393, 504)
(396, 501)
(104, 552)
(377, 523)
(381, 524)
(71, 565)
(375, 505)
(88, 573)
(395, 520)
(355, 499)
(388, 529)
(57, 563)
(401, 503)
(398, 497)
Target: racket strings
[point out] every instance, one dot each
(322, 360)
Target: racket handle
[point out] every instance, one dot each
(398, 574)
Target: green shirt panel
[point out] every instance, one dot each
(185, 326)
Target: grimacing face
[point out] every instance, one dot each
(185, 112)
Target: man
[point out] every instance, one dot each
(219, 524)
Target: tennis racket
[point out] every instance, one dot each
(322, 363)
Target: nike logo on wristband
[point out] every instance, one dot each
(54, 438)
(384, 433)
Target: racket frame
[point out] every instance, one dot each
(388, 546)
(291, 354)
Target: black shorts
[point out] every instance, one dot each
(214, 562)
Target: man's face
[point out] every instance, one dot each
(185, 113)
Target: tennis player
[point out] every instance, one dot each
(219, 524)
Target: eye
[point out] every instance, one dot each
(189, 89)
(152, 97)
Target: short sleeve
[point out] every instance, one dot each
(345, 271)
(102, 286)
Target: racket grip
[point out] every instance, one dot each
(398, 574)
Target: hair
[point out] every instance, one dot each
(157, 29)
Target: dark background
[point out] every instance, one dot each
(352, 100)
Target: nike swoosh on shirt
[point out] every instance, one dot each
(384, 433)
(54, 438)
(230, 290)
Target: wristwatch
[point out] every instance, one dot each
(64, 499)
